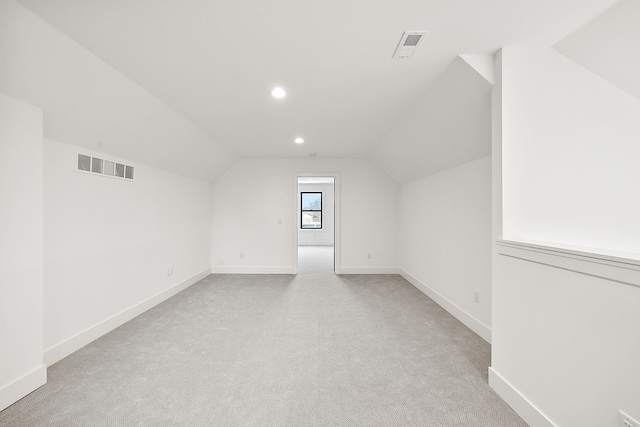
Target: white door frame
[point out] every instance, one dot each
(336, 215)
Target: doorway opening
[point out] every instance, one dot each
(317, 225)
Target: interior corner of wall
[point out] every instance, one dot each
(483, 65)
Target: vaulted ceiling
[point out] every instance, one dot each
(609, 45)
(203, 71)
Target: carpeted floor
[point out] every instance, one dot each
(314, 349)
(315, 259)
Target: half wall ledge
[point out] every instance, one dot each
(605, 266)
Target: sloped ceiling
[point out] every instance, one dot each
(87, 103)
(213, 64)
(609, 46)
(451, 125)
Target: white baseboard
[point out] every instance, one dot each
(235, 269)
(471, 322)
(368, 270)
(289, 270)
(63, 349)
(527, 411)
(16, 390)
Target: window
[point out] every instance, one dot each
(109, 168)
(311, 210)
(84, 162)
(120, 170)
(104, 167)
(96, 165)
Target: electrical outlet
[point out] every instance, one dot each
(241, 255)
(627, 421)
(368, 256)
(476, 296)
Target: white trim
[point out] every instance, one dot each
(16, 390)
(609, 267)
(61, 350)
(471, 322)
(237, 269)
(369, 270)
(523, 407)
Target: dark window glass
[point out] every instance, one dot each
(96, 165)
(311, 210)
(120, 170)
(84, 162)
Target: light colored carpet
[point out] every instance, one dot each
(315, 259)
(277, 350)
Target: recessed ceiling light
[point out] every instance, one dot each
(278, 93)
(298, 140)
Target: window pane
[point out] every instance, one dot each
(108, 167)
(311, 219)
(84, 162)
(120, 170)
(129, 172)
(96, 165)
(311, 201)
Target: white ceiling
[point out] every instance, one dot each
(449, 126)
(610, 46)
(215, 62)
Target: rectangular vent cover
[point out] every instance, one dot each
(104, 167)
(409, 43)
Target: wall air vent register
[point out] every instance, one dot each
(104, 167)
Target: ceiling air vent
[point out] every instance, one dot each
(409, 43)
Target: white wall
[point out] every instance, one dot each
(570, 157)
(565, 325)
(445, 240)
(109, 242)
(249, 199)
(324, 236)
(439, 151)
(21, 260)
